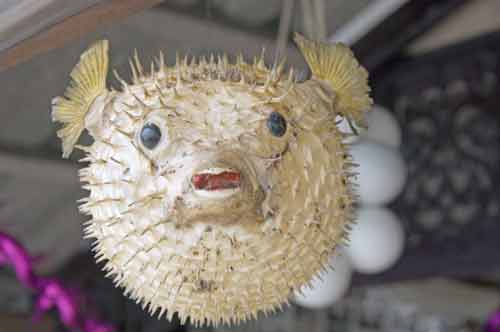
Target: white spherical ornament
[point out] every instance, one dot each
(331, 287)
(382, 172)
(382, 127)
(376, 241)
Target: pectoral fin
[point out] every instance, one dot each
(336, 64)
(88, 81)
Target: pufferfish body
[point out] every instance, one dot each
(216, 189)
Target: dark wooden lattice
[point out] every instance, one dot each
(448, 105)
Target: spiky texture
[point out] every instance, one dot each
(216, 259)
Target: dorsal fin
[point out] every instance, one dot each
(336, 64)
(88, 80)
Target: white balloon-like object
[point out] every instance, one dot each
(382, 172)
(376, 241)
(331, 287)
(382, 127)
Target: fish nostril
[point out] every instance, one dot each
(216, 181)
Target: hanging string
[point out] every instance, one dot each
(284, 29)
(308, 23)
(50, 292)
(320, 20)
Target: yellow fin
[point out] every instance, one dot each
(88, 80)
(336, 64)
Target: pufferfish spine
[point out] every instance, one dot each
(216, 189)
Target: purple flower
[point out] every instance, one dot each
(493, 323)
(51, 293)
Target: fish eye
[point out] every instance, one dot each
(276, 124)
(150, 135)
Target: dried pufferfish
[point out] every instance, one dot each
(217, 189)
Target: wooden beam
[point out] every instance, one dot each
(72, 27)
(27, 90)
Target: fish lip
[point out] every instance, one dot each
(203, 179)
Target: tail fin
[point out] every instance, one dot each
(337, 65)
(88, 80)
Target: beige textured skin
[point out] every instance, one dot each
(216, 257)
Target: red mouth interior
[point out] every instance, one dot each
(223, 180)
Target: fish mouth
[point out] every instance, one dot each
(216, 181)
(222, 190)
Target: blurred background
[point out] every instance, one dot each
(425, 253)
